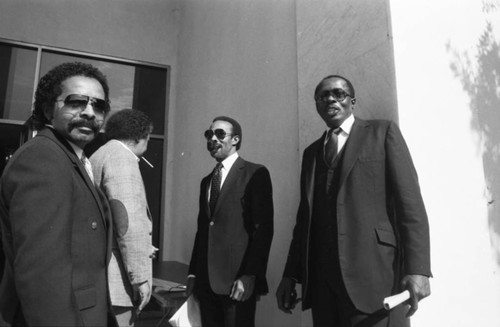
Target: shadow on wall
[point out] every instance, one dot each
(480, 77)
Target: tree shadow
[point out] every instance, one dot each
(480, 78)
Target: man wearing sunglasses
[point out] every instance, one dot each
(55, 229)
(362, 232)
(228, 265)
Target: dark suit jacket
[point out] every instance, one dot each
(55, 236)
(239, 240)
(383, 231)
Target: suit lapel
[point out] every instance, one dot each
(78, 165)
(230, 181)
(351, 149)
(206, 189)
(310, 168)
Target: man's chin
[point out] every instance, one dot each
(214, 152)
(81, 139)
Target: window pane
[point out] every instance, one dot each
(150, 94)
(152, 181)
(12, 136)
(17, 76)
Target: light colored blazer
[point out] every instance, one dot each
(116, 173)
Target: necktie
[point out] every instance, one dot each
(331, 145)
(215, 188)
(88, 167)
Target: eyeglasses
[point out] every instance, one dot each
(219, 133)
(79, 101)
(338, 95)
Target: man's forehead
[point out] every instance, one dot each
(334, 82)
(83, 85)
(221, 124)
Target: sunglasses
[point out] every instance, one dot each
(219, 133)
(338, 95)
(79, 101)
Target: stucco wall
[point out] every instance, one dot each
(447, 66)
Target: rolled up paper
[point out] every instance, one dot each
(395, 300)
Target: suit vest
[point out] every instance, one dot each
(324, 215)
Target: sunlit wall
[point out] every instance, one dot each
(447, 69)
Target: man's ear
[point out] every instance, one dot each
(235, 140)
(49, 112)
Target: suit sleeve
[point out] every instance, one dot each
(294, 259)
(41, 226)
(261, 212)
(122, 183)
(196, 247)
(411, 216)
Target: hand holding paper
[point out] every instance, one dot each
(395, 300)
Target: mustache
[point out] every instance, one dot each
(92, 124)
(213, 145)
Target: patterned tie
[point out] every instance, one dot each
(331, 146)
(88, 167)
(215, 188)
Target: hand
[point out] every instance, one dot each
(190, 286)
(419, 288)
(153, 252)
(243, 288)
(142, 293)
(284, 295)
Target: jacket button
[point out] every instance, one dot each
(211, 223)
(94, 225)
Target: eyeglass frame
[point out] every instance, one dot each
(209, 134)
(93, 101)
(327, 94)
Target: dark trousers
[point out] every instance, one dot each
(220, 311)
(331, 305)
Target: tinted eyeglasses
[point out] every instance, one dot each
(79, 101)
(338, 95)
(219, 133)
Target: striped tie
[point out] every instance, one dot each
(215, 188)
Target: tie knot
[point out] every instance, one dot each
(218, 166)
(335, 131)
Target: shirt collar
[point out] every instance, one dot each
(229, 161)
(346, 126)
(77, 149)
(126, 147)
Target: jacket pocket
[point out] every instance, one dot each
(85, 298)
(385, 237)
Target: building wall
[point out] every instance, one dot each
(237, 58)
(447, 69)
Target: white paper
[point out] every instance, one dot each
(188, 314)
(395, 300)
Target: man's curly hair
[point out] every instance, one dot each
(50, 87)
(129, 125)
